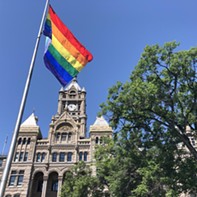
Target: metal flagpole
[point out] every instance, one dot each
(21, 110)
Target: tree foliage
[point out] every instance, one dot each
(79, 182)
(161, 96)
(150, 114)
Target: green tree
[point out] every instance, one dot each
(162, 90)
(79, 182)
(149, 114)
(129, 171)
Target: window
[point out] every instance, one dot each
(54, 186)
(97, 140)
(16, 157)
(69, 136)
(19, 141)
(62, 157)
(13, 178)
(24, 140)
(38, 158)
(39, 187)
(43, 157)
(80, 156)
(54, 157)
(85, 156)
(25, 156)
(8, 195)
(16, 176)
(16, 195)
(72, 94)
(57, 137)
(69, 156)
(28, 141)
(64, 136)
(21, 156)
(1, 162)
(20, 177)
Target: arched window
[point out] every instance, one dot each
(28, 141)
(85, 156)
(16, 157)
(72, 94)
(54, 186)
(43, 157)
(54, 157)
(26, 156)
(19, 141)
(37, 184)
(80, 156)
(39, 187)
(16, 195)
(21, 156)
(62, 157)
(57, 137)
(38, 158)
(97, 140)
(69, 136)
(8, 195)
(64, 136)
(69, 156)
(24, 140)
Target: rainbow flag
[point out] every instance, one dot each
(64, 55)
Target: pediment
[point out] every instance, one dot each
(65, 122)
(64, 126)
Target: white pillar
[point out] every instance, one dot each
(44, 187)
(59, 186)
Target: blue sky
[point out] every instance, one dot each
(115, 31)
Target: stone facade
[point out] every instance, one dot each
(2, 164)
(39, 165)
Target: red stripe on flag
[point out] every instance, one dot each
(68, 34)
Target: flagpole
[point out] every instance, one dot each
(21, 109)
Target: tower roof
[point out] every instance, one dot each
(73, 83)
(30, 121)
(100, 121)
(100, 125)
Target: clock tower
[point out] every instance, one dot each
(73, 100)
(40, 165)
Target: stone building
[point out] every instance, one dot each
(2, 165)
(40, 164)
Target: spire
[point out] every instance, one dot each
(100, 121)
(100, 125)
(73, 83)
(30, 121)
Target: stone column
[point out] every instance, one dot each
(59, 185)
(44, 186)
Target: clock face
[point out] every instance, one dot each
(72, 107)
